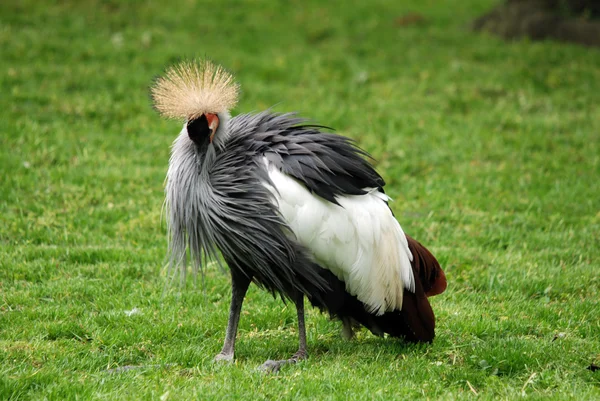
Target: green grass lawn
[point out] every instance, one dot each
(491, 151)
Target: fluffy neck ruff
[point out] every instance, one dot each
(189, 203)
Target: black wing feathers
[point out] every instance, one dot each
(328, 164)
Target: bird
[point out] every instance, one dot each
(290, 206)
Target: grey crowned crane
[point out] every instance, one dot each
(296, 210)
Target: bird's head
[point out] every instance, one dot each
(201, 93)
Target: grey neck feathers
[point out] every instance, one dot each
(188, 202)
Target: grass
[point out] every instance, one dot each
(490, 149)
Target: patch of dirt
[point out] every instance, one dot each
(572, 21)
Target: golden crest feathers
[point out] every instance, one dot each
(191, 88)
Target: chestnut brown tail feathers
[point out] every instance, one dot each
(427, 269)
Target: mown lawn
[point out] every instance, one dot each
(490, 149)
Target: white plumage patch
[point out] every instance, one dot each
(359, 240)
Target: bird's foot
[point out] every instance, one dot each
(272, 366)
(223, 357)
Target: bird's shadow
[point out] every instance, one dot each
(325, 346)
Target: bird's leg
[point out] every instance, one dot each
(239, 286)
(274, 366)
(301, 353)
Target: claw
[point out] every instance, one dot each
(272, 366)
(222, 357)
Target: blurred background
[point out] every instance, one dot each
(482, 116)
(440, 107)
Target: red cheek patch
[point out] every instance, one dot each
(211, 118)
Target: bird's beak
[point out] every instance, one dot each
(213, 124)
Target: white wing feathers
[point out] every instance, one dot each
(359, 240)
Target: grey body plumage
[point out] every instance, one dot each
(221, 198)
(216, 199)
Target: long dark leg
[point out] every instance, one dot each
(301, 353)
(239, 286)
(274, 366)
